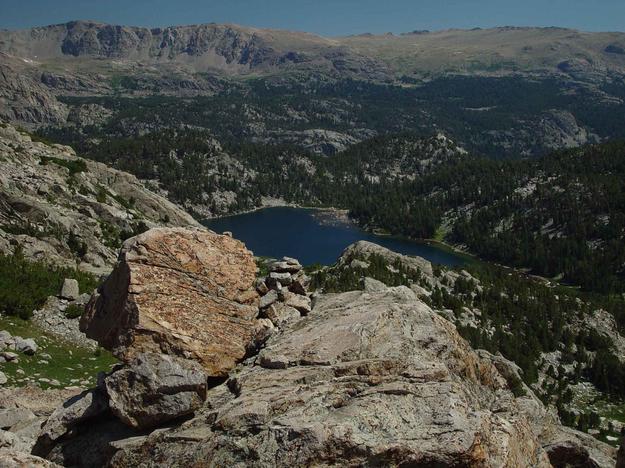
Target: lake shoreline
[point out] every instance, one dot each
(320, 235)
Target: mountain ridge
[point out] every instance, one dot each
(275, 47)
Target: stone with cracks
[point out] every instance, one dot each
(156, 388)
(185, 292)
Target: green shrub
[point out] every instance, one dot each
(101, 194)
(74, 311)
(74, 166)
(25, 285)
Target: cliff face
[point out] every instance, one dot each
(229, 48)
(66, 210)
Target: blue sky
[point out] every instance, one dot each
(326, 17)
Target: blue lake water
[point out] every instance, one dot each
(312, 236)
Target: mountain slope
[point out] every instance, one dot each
(62, 209)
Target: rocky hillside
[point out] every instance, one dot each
(59, 208)
(366, 377)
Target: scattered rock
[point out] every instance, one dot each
(51, 318)
(186, 292)
(268, 299)
(26, 346)
(155, 388)
(70, 289)
(3, 378)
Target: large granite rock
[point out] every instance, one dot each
(185, 292)
(155, 388)
(369, 378)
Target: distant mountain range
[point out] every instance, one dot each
(502, 92)
(238, 50)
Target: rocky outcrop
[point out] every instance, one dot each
(53, 318)
(85, 406)
(24, 410)
(368, 378)
(70, 211)
(184, 292)
(371, 377)
(362, 250)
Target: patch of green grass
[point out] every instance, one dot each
(69, 364)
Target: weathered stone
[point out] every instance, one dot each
(569, 454)
(285, 279)
(280, 314)
(373, 285)
(9, 356)
(77, 409)
(26, 346)
(156, 388)
(300, 303)
(261, 287)
(92, 444)
(285, 267)
(11, 458)
(297, 287)
(11, 416)
(70, 289)
(268, 299)
(5, 336)
(3, 378)
(187, 292)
